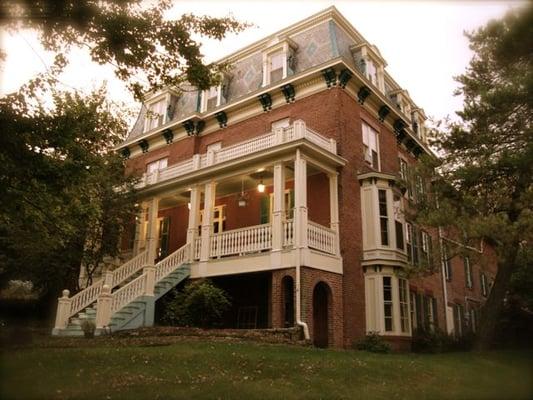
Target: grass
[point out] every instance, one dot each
(199, 369)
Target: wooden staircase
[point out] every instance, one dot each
(124, 298)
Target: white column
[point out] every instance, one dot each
(278, 208)
(300, 201)
(334, 208)
(151, 241)
(63, 311)
(149, 271)
(207, 221)
(194, 215)
(103, 308)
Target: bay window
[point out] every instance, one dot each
(383, 217)
(387, 304)
(404, 306)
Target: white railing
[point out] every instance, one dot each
(241, 241)
(320, 140)
(288, 233)
(170, 263)
(197, 248)
(84, 298)
(128, 293)
(320, 238)
(235, 151)
(129, 268)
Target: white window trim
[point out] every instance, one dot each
(165, 97)
(204, 100)
(367, 155)
(285, 47)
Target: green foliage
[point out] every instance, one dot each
(147, 50)
(373, 343)
(483, 185)
(88, 328)
(199, 304)
(58, 181)
(425, 341)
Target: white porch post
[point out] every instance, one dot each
(300, 201)
(139, 218)
(194, 213)
(63, 311)
(207, 222)
(151, 241)
(278, 212)
(334, 208)
(103, 308)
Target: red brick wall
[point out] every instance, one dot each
(179, 221)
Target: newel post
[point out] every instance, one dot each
(63, 312)
(103, 308)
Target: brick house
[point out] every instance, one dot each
(303, 156)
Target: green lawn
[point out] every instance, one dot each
(198, 369)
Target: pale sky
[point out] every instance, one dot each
(422, 42)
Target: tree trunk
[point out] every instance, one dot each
(491, 311)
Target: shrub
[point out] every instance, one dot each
(88, 327)
(373, 343)
(200, 304)
(438, 342)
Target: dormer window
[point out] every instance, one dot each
(418, 118)
(278, 62)
(211, 98)
(370, 63)
(156, 114)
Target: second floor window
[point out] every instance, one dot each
(483, 280)
(468, 272)
(387, 303)
(370, 146)
(156, 115)
(156, 165)
(447, 262)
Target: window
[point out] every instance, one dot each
(412, 296)
(426, 248)
(405, 175)
(399, 234)
(398, 225)
(404, 306)
(409, 242)
(370, 146)
(157, 165)
(211, 98)
(468, 272)
(473, 320)
(483, 281)
(430, 313)
(383, 217)
(372, 72)
(447, 262)
(163, 240)
(219, 219)
(282, 123)
(267, 206)
(276, 62)
(458, 319)
(387, 303)
(156, 115)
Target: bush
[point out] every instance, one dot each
(373, 343)
(438, 342)
(199, 304)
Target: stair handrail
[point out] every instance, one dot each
(129, 268)
(128, 293)
(171, 262)
(85, 297)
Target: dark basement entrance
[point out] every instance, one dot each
(250, 298)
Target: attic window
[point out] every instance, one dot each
(155, 116)
(278, 62)
(368, 60)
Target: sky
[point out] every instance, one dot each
(421, 41)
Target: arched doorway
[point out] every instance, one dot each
(287, 285)
(320, 315)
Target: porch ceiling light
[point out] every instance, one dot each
(242, 200)
(261, 186)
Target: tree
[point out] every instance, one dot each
(148, 51)
(58, 184)
(484, 184)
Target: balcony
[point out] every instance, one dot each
(298, 132)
